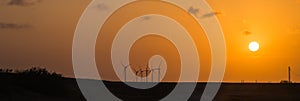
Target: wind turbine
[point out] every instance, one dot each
(152, 74)
(141, 71)
(136, 74)
(158, 69)
(125, 67)
(147, 72)
(289, 74)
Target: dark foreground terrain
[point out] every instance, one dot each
(14, 87)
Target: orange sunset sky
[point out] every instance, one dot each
(43, 31)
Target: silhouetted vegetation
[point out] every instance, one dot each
(40, 73)
(37, 84)
(6, 70)
(34, 72)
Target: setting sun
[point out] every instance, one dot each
(253, 46)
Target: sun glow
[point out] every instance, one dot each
(253, 46)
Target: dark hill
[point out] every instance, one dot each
(20, 87)
(15, 87)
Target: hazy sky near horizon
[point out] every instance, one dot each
(41, 34)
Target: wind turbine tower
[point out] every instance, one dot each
(158, 69)
(125, 67)
(147, 72)
(136, 74)
(289, 74)
(141, 74)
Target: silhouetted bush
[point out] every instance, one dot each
(6, 71)
(37, 72)
(33, 73)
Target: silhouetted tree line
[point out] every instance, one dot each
(34, 72)
(6, 70)
(40, 72)
(37, 80)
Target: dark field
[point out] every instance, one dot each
(16, 88)
(227, 92)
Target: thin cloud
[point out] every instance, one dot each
(193, 11)
(247, 32)
(102, 6)
(246, 28)
(211, 14)
(146, 18)
(295, 31)
(13, 26)
(23, 2)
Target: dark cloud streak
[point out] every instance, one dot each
(102, 6)
(193, 11)
(13, 26)
(23, 2)
(247, 32)
(207, 15)
(146, 18)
